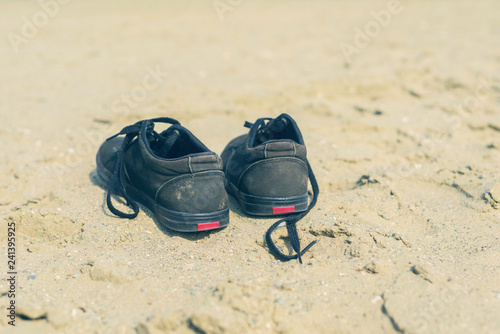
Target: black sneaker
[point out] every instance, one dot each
(267, 171)
(172, 173)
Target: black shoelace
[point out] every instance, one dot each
(116, 185)
(263, 134)
(291, 226)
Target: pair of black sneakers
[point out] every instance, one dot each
(184, 184)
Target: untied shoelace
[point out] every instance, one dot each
(116, 185)
(263, 134)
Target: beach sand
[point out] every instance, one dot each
(402, 131)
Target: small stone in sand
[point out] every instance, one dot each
(418, 269)
(495, 192)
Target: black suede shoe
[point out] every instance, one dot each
(172, 173)
(267, 171)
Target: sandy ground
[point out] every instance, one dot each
(403, 135)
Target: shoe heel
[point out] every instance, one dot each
(192, 222)
(272, 206)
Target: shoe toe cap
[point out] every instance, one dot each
(108, 152)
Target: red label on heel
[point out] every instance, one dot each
(284, 209)
(208, 226)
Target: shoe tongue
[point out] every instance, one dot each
(277, 124)
(168, 132)
(162, 143)
(269, 131)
